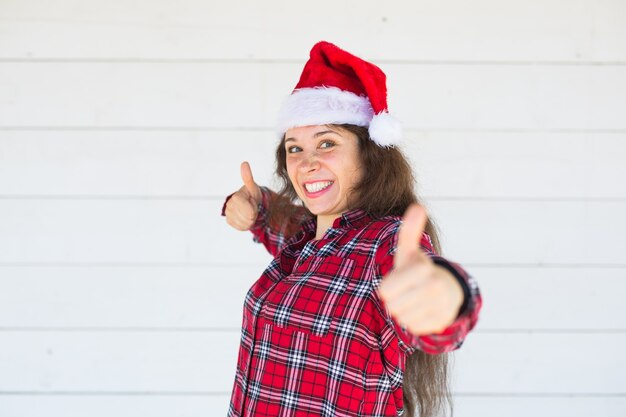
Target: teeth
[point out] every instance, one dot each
(317, 186)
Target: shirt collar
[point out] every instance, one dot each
(355, 218)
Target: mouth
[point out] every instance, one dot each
(316, 188)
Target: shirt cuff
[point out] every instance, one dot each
(226, 202)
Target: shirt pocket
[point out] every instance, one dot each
(307, 299)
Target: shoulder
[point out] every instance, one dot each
(383, 228)
(382, 235)
(385, 232)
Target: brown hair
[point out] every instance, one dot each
(386, 188)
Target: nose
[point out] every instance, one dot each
(310, 163)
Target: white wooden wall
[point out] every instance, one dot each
(122, 127)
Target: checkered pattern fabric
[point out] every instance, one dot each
(316, 339)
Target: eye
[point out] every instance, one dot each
(330, 144)
(293, 149)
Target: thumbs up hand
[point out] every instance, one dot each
(242, 208)
(422, 296)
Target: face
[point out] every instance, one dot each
(323, 165)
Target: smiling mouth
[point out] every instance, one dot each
(316, 187)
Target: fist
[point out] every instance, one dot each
(242, 208)
(421, 296)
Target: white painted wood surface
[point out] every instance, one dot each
(183, 94)
(201, 405)
(483, 30)
(522, 299)
(181, 230)
(191, 361)
(122, 126)
(166, 163)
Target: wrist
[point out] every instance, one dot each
(455, 290)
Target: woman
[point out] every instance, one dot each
(356, 312)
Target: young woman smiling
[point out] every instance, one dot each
(323, 167)
(356, 312)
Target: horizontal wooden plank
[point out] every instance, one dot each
(521, 164)
(486, 30)
(184, 231)
(118, 361)
(512, 406)
(181, 362)
(118, 405)
(551, 363)
(156, 163)
(534, 232)
(248, 95)
(162, 297)
(202, 406)
(515, 299)
(589, 299)
(123, 231)
(169, 163)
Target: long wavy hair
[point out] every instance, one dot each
(386, 188)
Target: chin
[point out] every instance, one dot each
(323, 210)
(314, 209)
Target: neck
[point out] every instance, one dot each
(324, 222)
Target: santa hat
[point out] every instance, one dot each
(337, 87)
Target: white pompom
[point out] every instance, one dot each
(385, 130)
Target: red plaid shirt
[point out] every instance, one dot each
(316, 339)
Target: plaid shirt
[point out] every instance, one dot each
(316, 339)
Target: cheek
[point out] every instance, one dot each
(346, 169)
(354, 175)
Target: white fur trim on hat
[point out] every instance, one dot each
(385, 130)
(331, 105)
(323, 105)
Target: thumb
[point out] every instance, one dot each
(409, 235)
(248, 181)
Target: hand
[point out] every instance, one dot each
(242, 208)
(422, 296)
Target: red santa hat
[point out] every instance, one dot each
(337, 87)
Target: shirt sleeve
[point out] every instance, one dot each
(452, 337)
(272, 237)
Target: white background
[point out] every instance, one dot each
(122, 127)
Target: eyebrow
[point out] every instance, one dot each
(317, 135)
